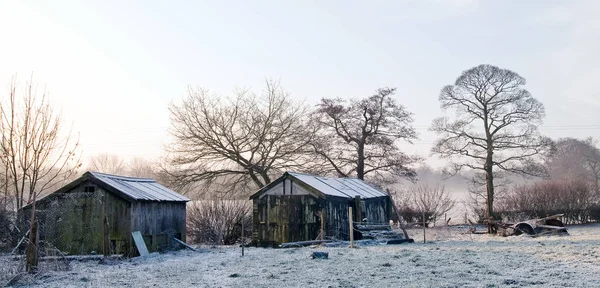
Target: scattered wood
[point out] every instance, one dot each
(192, 248)
(303, 243)
(20, 242)
(139, 243)
(370, 227)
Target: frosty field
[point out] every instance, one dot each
(451, 259)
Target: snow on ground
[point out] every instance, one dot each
(452, 259)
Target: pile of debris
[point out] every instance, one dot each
(533, 227)
(380, 233)
(537, 227)
(364, 234)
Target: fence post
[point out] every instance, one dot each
(32, 257)
(322, 225)
(351, 228)
(243, 242)
(424, 239)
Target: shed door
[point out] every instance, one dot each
(303, 222)
(285, 218)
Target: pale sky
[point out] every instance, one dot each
(112, 67)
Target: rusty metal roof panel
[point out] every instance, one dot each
(144, 189)
(340, 187)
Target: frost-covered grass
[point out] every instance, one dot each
(452, 259)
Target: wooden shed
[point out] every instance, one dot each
(100, 211)
(290, 208)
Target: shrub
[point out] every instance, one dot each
(219, 222)
(7, 229)
(574, 198)
(421, 199)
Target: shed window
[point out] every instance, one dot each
(89, 189)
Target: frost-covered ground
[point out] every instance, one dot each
(452, 259)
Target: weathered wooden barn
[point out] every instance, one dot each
(100, 211)
(290, 208)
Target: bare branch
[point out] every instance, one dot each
(360, 137)
(244, 138)
(33, 148)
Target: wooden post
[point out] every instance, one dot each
(424, 239)
(31, 261)
(358, 212)
(32, 249)
(243, 242)
(105, 235)
(106, 238)
(351, 228)
(322, 225)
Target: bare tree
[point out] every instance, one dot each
(576, 159)
(107, 163)
(243, 140)
(431, 201)
(140, 167)
(34, 150)
(495, 126)
(360, 137)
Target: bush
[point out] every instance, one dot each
(219, 222)
(7, 229)
(574, 198)
(595, 213)
(421, 199)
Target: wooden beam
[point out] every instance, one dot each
(186, 245)
(351, 227)
(322, 225)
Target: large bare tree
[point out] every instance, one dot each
(35, 151)
(141, 167)
(494, 127)
(107, 163)
(243, 140)
(576, 159)
(360, 137)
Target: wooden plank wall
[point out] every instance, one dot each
(157, 221)
(285, 218)
(72, 221)
(336, 221)
(376, 210)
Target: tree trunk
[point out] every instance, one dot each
(489, 181)
(360, 163)
(31, 261)
(255, 179)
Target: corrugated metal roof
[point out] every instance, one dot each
(340, 187)
(140, 188)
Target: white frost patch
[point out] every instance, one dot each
(452, 259)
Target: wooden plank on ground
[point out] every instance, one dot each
(185, 244)
(139, 243)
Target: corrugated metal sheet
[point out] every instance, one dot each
(340, 187)
(140, 188)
